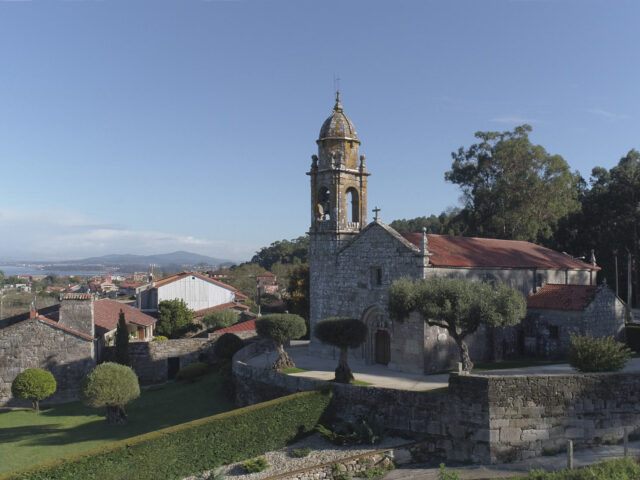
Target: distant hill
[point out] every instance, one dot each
(164, 259)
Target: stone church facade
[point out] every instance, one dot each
(353, 263)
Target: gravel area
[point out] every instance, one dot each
(281, 461)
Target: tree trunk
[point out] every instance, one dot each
(116, 415)
(467, 364)
(284, 361)
(343, 372)
(36, 406)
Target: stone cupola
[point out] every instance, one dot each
(338, 177)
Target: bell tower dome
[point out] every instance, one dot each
(338, 178)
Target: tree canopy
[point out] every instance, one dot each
(283, 251)
(174, 318)
(220, 319)
(512, 189)
(458, 305)
(34, 384)
(110, 385)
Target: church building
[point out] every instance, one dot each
(353, 263)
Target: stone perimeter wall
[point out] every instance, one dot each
(481, 418)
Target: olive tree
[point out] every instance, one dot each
(220, 319)
(281, 327)
(460, 306)
(34, 384)
(344, 333)
(110, 385)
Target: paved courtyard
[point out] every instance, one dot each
(381, 376)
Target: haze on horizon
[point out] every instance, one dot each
(138, 127)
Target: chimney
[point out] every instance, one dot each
(77, 313)
(33, 312)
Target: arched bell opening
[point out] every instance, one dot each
(323, 204)
(353, 200)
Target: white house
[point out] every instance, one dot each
(198, 291)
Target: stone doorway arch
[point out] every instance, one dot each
(376, 320)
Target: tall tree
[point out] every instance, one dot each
(512, 189)
(283, 251)
(608, 222)
(460, 306)
(122, 340)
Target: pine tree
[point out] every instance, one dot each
(122, 341)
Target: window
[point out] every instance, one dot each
(553, 332)
(376, 276)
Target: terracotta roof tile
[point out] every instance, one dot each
(562, 297)
(178, 276)
(248, 326)
(449, 251)
(107, 312)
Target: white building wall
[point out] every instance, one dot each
(197, 293)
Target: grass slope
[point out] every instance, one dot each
(27, 439)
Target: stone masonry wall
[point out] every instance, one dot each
(481, 418)
(35, 344)
(345, 283)
(529, 414)
(150, 359)
(77, 313)
(454, 425)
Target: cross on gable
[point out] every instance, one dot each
(375, 211)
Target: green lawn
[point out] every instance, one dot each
(27, 439)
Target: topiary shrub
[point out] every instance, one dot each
(588, 354)
(227, 345)
(113, 386)
(193, 371)
(255, 465)
(344, 333)
(34, 384)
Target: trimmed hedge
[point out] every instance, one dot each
(192, 447)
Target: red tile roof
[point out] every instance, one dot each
(248, 326)
(449, 251)
(562, 297)
(107, 312)
(65, 329)
(180, 275)
(222, 306)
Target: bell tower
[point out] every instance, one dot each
(338, 180)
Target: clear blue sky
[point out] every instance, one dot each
(151, 126)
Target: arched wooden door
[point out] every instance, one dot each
(383, 347)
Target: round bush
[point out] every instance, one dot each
(192, 371)
(160, 338)
(281, 327)
(110, 385)
(227, 345)
(588, 354)
(34, 384)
